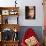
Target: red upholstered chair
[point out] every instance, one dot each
(29, 33)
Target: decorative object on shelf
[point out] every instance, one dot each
(15, 3)
(15, 30)
(7, 34)
(30, 12)
(13, 12)
(15, 34)
(5, 12)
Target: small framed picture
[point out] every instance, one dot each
(5, 12)
(30, 12)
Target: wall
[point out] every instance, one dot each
(39, 15)
(37, 30)
(39, 11)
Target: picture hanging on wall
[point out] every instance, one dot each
(30, 12)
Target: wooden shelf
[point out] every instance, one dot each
(9, 43)
(3, 8)
(4, 12)
(11, 26)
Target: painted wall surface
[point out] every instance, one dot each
(22, 3)
(37, 29)
(39, 13)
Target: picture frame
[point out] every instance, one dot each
(5, 12)
(30, 12)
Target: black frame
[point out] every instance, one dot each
(27, 9)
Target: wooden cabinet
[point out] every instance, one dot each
(6, 24)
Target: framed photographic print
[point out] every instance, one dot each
(5, 12)
(30, 12)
